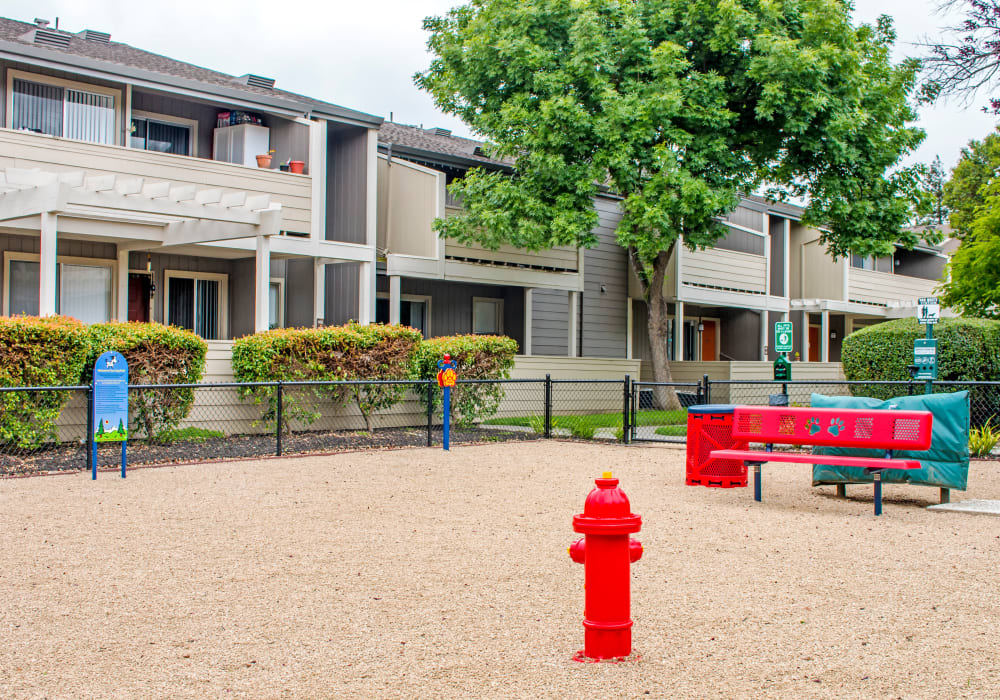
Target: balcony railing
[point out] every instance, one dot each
(730, 270)
(884, 288)
(28, 150)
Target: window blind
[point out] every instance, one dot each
(38, 107)
(90, 117)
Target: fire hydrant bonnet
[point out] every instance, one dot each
(607, 511)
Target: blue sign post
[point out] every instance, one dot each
(447, 376)
(110, 404)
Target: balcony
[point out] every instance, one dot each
(19, 149)
(885, 289)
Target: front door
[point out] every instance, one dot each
(814, 343)
(708, 341)
(138, 297)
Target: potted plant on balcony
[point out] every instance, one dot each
(264, 160)
(296, 166)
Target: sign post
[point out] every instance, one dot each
(782, 367)
(110, 405)
(925, 349)
(446, 376)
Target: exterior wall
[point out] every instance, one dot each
(740, 334)
(820, 277)
(26, 150)
(242, 297)
(914, 263)
(343, 282)
(346, 183)
(299, 293)
(561, 258)
(407, 205)
(550, 322)
(604, 321)
(574, 368)
(204, 114)
(724, 269)
(777, 234)
(748, 217)
(880, 288)
(290, 141)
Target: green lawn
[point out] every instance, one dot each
(672, 430)
(600, 420)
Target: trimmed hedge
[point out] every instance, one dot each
(968, 349)
(334, 353)
(49, 351)
(156, 354)
(475, 357)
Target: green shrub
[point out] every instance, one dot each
(583, 430)
(336, 353)
(968, 349)
(475, 357)
(191, 434)
(49, 351)
(156, 354)
(983, 439)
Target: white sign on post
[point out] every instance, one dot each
(929, 310)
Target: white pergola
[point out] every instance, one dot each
(167, 214)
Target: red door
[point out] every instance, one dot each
(708, 341)
(138, 298)
(814, 343)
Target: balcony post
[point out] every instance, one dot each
(678, 329)
(628, 328)
(764, 333)
(824, 336)
(262, 273)
(528, 313)
(394, 299)
(805, 336)
(47, 265)
(366, 293)
(319, 292)
(122, 284)
(574, 315)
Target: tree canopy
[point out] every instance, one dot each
(967, 61)
(973, 196)
(679, 107)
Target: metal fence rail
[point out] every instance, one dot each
(46, 428)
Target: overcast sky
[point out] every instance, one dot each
(363, 55)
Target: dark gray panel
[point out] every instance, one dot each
(451, 305)
(748, 218)
(343, 282)
(346, 184)
(915, 263)
(777, 256)
(299, 293)
(550, 322)
(604, 313)
(242, 297)
(741, 242)
(202, 113)
(740, 334)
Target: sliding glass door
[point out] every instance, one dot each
(63, 111)
(196, 304)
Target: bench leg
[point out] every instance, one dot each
(756, 482)
(841, 490)
(946, 495)
(877, 476)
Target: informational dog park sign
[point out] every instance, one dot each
(783, 336)
(110, 403)
(930, 310)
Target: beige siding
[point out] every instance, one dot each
(725, 269)
(293, 192)
(880, 288)
(574, 368)
(821, 277)
(560, 257)
(407, 206)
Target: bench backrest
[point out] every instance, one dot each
(883, 429)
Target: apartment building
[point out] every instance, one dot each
(130, 189)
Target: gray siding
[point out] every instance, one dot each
(550, 322)
(604, 314)
(242, 297)
(346, 184)
(740, 333)
(749, 218)
(741, 242)
(299, 293)
(204, 114)
(777, 256)
(915, 263)
(343, 282)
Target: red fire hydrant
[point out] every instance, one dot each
(606, 553)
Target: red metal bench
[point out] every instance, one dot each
(830, 427)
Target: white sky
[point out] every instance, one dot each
(362, 55)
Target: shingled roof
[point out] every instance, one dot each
(18, 38)
(432, 144)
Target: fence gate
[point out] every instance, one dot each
(659, 410)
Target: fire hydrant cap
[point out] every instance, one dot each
(607, 510)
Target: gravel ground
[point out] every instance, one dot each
(422, 574)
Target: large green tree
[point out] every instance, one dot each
(678, 106)
(973, 196)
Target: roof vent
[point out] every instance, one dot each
(92, 35)
(439, 131)
(47, 37)
(258, 81)
(43, 23)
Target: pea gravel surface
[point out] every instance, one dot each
(424, 574)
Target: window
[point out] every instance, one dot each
(487, 316)
(197, 301)
(414, 311)
(64, 109)
(150, 132)
(84, 287)
(863, 263)
(275, 304)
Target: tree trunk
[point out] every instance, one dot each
(658, 326)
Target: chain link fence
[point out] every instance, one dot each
(46, 428)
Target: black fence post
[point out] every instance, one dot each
(548, 405)
(700, 394)
(708, 389)
(278, 413)
(626, 423)
(88, 442)
(635, 409)
(430, 411)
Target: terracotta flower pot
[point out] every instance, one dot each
(264, 161)
(296, 166)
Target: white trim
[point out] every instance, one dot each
(170, 120)
(115, 93)
(10, 255)
(223, 329)
(499, 304)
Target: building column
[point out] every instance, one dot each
(764, 319)
(528, 315)
(572, 346)
(394, 299)
(122, 284)
(805, 336)
(262, 272)
(628, 328)
(319, 293)
(366, 293)
(824, 336)
(47, 266)
(678, 330)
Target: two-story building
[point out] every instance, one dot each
(130, 189)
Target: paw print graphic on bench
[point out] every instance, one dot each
(830, 427)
